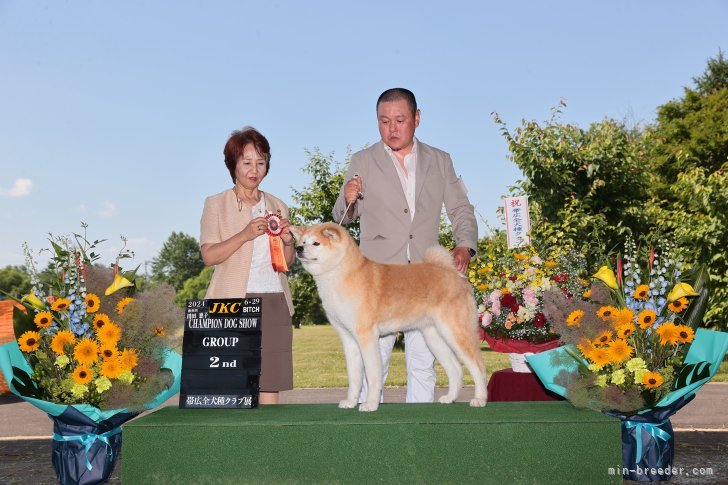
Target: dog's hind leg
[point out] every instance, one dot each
(445, 356)
(354, 369)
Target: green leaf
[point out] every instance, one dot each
(23, 320)
(24, 384)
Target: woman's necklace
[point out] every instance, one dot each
(240, 201)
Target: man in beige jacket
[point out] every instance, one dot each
(404, 184)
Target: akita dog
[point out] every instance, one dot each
(364, 299)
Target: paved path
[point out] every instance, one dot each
(701, 439)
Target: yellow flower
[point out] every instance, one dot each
(505, 290)
(122, 304)
(109, 334)
(29, 341)
(681, 290)
(111, 368)
(102, 384)
(100, 319)
(129, 359)
(520, 256)
(574, 318)
(586, 347)
(92, 303)
(636, 364)
(606, 276)
(79, 391)
(108, 352)
(600, 357)
(618, 377)
(641, 292)
(606, 312)
(61, 339)
(587, 293)
(118, 283)
(482, 287)
(652, 380)
(82, 375)
(622, 317)
(86, 351)
(549, 264)
(60, 304)
(685, 334)
(668, 333)
(603, 338)
(43, 319)
(625, 330)
(619, 351)
(33, 300)
(485, 269)
(602, 380)
(646, 318)
(678, 305)
(159, 331)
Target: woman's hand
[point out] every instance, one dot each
(286, 235)
(255, 228)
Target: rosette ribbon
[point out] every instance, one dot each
(277, 257)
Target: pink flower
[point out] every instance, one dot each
(496, 308)
(487, 318)
(529, 297)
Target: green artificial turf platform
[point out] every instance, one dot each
(505, 442)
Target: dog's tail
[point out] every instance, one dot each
(439, 256)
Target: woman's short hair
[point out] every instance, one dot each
(236, 144)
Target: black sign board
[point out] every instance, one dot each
(221, 354)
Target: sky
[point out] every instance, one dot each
(116, 113)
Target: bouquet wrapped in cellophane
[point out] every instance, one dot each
(631, 350)
(91, 353)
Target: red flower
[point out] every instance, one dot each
(561, 278)
(539, 320)
(515, 308)
(508, 301)
(513, 278)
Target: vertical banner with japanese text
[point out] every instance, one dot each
(518, 221)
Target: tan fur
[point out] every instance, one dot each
(364, 299)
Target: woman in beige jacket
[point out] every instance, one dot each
(234, 237)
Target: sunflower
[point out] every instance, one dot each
(43, 319)
(603, 338)
(111, 368)
(600, 357)
(92, 303)
(122, 304)
(128, 359)
(109, 334)
(669, 334)
(678, 305)
(623, 317)
(29, 341)
(574, 318)
(86, 351)
(619, 351)
(646, 318)
(641, 292)
(586, 347)
(652, 380)
(82, 375)
(100, 319)
(159, 331)
(108, 352)
(625, 330)
(606, 312)
(60, 304)
(61, 339)
(685, 334)
(587, 294)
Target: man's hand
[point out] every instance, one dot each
(352, 189)
(461, 255)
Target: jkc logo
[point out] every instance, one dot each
(220, 307)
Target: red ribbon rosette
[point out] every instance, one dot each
(274, 230)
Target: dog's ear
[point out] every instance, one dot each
(332, 232)
(296, 231)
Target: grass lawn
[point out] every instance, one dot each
(318, 361)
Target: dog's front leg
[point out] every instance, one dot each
(353, 367)
(369, 345)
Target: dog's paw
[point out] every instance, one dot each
(446, 400)
(368, 408)
(477, 403)
(347, 403)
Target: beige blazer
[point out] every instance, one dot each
(385, 222)
(220, 221)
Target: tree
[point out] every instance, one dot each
(587, 186)
(315, 204)
(195, 287)
(15, 281)
(178, 261)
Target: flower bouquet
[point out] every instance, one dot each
(631, 351)
(510, 291)
(91, 354)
